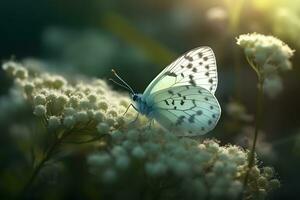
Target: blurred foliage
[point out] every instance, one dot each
(139, 38)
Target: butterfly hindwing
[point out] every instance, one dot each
(186, 110)
(196, 67)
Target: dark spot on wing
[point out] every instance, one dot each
(181, 102)
(189, 66)
(167, 103)
(192, 119)
(209, 122)
(194, 102)
(200, 54)
(170, 92)
(192, 82)
(199, 91)
(179, 94)
(175, 107)
(199, 112)
(211, 107)
(207, 74)
(170, 74)
(210, 80)
(189, 58)
(194, 69)
(182, 75)
(207, 66)
(180, 120)
(205, 58)
(206, 99)
(173, 102)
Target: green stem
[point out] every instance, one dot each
(258, 120)
(41, 164)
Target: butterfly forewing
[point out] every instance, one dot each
(196, 67)
(186, 110)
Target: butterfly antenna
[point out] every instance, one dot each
(128, 87)
(119, 84)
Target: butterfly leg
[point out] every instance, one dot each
(131, 105)
(136, 118)
(128, 108)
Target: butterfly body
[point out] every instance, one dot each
(141, 105)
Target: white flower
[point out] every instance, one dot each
(81, 116)
(99, 160)
(69, 121)
(40, 110)
(273, 86)
(53, 122)
(155, 169)
(99, 116)
(122, 162)
(10, 67)
(69, 111)
(103, 128)
(265, 50)
(103, 105)
(39, 99)
(138, 152)
(21, 73)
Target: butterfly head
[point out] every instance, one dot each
(136, 97)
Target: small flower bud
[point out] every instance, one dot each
(274, 184)
(69, 121)
(40, 110)
(103, 105)
(28, 87)
(92, 98)
(103, 128)
(81, 116)
(53, 122)
(138, 152)
(21, 73)
(39, 99)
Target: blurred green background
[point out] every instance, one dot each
(139, 38)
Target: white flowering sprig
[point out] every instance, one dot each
(71, 112)
(168, 167)
(268, 56)
(159, 164)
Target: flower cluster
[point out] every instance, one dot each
(268, 56)
(88, 109)
(158, 164)
(168, 167)
(268, 53)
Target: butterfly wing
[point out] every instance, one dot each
(188, 110)
(196, 67)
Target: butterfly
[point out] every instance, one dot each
(181, 98)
